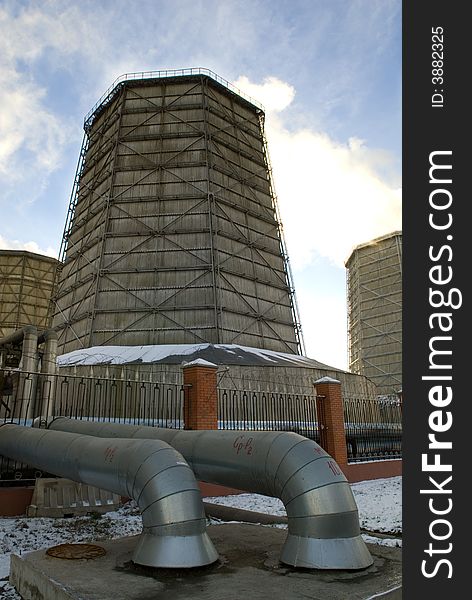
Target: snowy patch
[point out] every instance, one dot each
(380, 504)
(255, 502)
(230, 354)
(121, 355)
(22, 534)
(198, 362)
(390, 542)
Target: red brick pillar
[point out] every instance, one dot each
(201, 396)
(329, 406)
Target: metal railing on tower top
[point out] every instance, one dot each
(160, 74)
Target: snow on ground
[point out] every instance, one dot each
(23, 534)
(255, 502)
(379, 502)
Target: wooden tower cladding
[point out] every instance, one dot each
(173, 235)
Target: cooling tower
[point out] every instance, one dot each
(173, 234)
(374, 293)
(26, 286)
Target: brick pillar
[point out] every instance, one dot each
(329, 406)
(201, 396)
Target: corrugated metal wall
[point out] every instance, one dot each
(374, 289)
(174, 236)
(26, 285)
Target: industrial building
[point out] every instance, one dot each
(173, 234)
(374, 296)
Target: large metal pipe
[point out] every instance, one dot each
(28, 336)
(151, 472)
(18, 335)
(323, 522)
(48, 362)
(48, 370)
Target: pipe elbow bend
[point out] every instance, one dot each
(323, 521)
(167, 493)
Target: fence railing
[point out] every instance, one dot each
(373, 425)
(373, 428)
(26, 396)
(268, 411)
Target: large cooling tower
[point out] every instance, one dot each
(374, 292)
(173, 234)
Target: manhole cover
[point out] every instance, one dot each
(76, 551)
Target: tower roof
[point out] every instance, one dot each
(149, 77)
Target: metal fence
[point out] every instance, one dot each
(373, 428)
(373, 425)
(268, 411)
(26, 396)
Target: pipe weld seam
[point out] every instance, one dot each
(178, 528)
(186, 467)
(299, 469)
(193, 490)
(149, 456)
(314, 489)
(328, 526)
(285, 455)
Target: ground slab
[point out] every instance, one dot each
(248, 568)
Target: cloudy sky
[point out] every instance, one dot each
(327, 71)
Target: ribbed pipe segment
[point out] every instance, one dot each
(151, 472)
(323, 522)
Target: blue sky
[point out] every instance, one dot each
(327, 71)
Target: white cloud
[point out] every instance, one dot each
(25, 125)
(330, 193)
(273, 94)
(31, 136)
(29, 246)
(323, 318)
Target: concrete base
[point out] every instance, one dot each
(248, 567)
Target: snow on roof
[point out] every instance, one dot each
(218, 354)
(198, 362)
(327, 380)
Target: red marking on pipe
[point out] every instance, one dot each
(240, 444)
(110, 452)
(334, 467)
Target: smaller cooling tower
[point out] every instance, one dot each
(26, 286)
(374, 294)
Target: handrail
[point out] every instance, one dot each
(159, 74)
